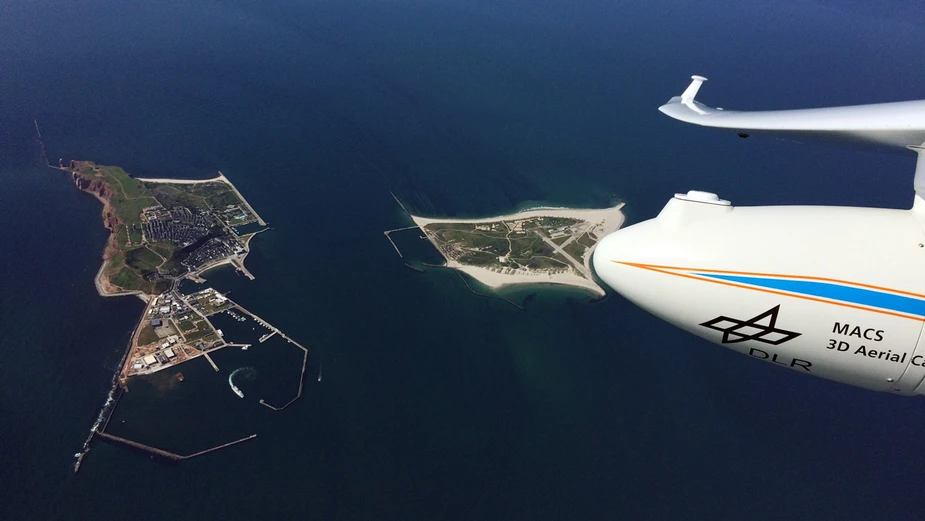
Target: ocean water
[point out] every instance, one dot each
(434, 403)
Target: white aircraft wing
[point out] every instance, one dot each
(894, 124)
(900, 124)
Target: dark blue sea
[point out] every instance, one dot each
(434, 404)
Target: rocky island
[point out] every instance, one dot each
(162, 231)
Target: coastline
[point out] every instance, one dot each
(216, 179)
(220, 178)
(604, 221)
(101, 287)
(585, 214)
(496, 280)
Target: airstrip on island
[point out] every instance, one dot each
(542, 245)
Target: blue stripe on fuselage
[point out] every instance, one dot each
(863, 296)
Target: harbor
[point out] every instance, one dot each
(177, 328)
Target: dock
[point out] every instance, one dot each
(240, 267)
(211, 362)
(276, 331)
(387, 232)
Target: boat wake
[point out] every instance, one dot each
(247, 373)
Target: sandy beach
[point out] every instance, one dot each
(494, 279)
(612, 217)
(604, 221)
(218, 179)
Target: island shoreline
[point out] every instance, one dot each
(607, 220)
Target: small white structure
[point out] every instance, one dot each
(170, 353)
(150, 360)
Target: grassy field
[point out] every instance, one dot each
(147, 334)
(218, 195)
(186, 325)
(129, 280)
(203, 330)
(172, 195)
(128, 197)
(142, 260)
(164, 249)
(483, 247)
(577, 250)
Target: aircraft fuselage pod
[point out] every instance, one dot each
(834, 292)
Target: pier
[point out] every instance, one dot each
(415, 268)
(240, 267)
(276, 331)
(387, 232)
(165, 453)
(211, 362)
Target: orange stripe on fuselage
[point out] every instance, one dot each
(665, 269)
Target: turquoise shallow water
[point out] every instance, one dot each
(434, 403)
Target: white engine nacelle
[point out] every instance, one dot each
(828, 291)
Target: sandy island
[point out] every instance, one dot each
(604, 221)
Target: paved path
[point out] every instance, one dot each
(560, 251)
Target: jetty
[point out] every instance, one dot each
(276, 331)
(166, 453)
(387, 232)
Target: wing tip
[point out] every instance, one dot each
(691, 91)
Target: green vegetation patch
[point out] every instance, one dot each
(128, 280)
(174, 195)
(161, 286)
(147, 334)
(142, 259)
(546, 263)
(203, 330)
(121, 236)
(449, 226)
(164, 249)
(186, 325)
(129, 195)
(577, 250)
(219, 195)
(479, 259)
